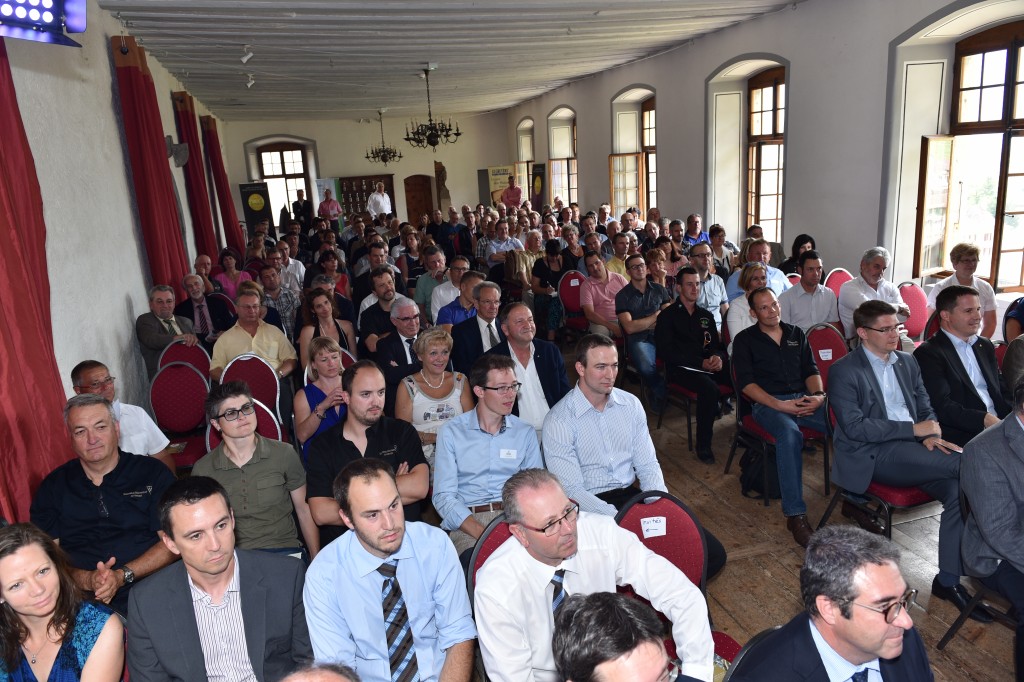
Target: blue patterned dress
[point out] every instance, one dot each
(74, 651)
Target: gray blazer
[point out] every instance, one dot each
(154, 337)
(992, 478)
(163, 638)
(861, 420)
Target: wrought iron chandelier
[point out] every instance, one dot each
(383, 153)
(431, 133)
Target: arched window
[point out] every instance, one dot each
(766, 129)
(632, 166)
(282, 166)
(563, 181)
(524, 152)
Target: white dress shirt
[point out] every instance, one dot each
(139, 433)
(804, 310)
(533, 405)
(443, 294)
(856, 291)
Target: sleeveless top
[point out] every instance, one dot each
(342, 339)
(430, 414)
(331, 417)
(74, 651)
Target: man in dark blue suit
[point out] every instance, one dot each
(857, 618)
(395, 353)
(209, 315)
(538, 365)
(477, 335)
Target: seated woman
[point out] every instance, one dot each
(544, 280)
(320, 317)
(433, 395)
(47, 630)
(318, 406)
(674, 259)
(725, 260)
(573, 252)
(231, 277)
(331, 266)
(409, 260)
(255, 254)
(803, 242)
(753, 276)
(657, 271)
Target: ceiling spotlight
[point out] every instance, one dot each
(248, 54)
(251, 82)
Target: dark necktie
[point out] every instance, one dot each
(557, 594)
(490, 333)
(170, 327)
(860, 676)
(201, 328)
(396, 623)
(410, 354)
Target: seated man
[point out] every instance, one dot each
(159, 327)
(809, 302)
(775, 370)
(992, 477)
(637, 307)
(277, 297)
(220, 611)
(480, 333)
(434, 277)
(478, 451)
(395, 355)
(463, 306)
(556, 550)
(687, 341)
(139, 433)
(758, 251)
(856, 618)
(377, 257)
(102, 506)
(870, 286)
(265, 477)
(959, 368)
(609, 637)
(446, 292)
(209, 316)
(597, 296)
(712, 296)
(365, 433)
(202, 267)
(498, 248)
(375, 321)
(425, 631)
(886, 431)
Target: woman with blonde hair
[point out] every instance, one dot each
(318, 406)
(740, 316)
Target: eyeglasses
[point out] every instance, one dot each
(883, 330)
(892, 611)
(672, 670)
(98, 384)
(231, 415)
(638, 266)
(455, 269)
(407, 319)
(511, 388)
(569, 516)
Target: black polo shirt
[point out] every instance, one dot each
(641, 304)
(687, 340)
(392, 440)
(777, 368)
(375, 320)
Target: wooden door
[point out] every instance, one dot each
(418, 197)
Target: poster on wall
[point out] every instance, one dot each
(335, 187)
(538, 186)
(256, 203)
(498, 178)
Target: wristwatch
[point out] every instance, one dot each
(129, 575)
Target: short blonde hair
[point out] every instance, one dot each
(435, 336)
(963, 250)
(321, 344)
(747, 274)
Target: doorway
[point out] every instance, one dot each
(418, 197)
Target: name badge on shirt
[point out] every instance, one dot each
(508, 454)
(653, 527)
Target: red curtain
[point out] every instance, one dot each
(32, 436)
(195, 177)
(211, 143)
(151, 175)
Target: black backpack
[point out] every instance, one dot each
(752, 475)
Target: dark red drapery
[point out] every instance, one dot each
(211, 143)
(195, 177)
(151, 175)
(32, 436)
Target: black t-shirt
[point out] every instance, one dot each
(392, 440)
(547, 276)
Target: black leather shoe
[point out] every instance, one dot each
(863, 519)
(959, 597)
(706, 455)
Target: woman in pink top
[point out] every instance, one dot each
(232, 276)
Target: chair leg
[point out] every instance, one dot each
(689, 425)
(732, 450)
(887, 510)
(831, 508)
(828, 468)
(764, 473)
(961, 619)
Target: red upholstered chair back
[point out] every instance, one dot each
(668, 528)
(177, 393)
(917, 301)
(1000, 353)
(347, 359)
(793, 278)
(496, 533)
(835, 279)
(226, 299)
(827, 345)
(196, 355)
(932, 328)
(261, 377)
(266, 425)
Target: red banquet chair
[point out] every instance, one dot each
(177, 351)
(266, 425)
(917, 301)
(496, 533)
(569, 294)
(227, 301)
(836, 278)
(177, 393)
(259, 375)
(828, 346)
(686, 399)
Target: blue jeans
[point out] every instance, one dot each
(789, 445)
(641, 354)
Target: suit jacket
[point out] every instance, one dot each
(992, 479)
(1013, 363)
(163, 638)
(154, 337)
(789, 655)
(956, 401)
(390, 350)
(467, 344)
(550, 369)
(220, 316)
(861, 420)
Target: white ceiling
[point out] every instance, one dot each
(318, 59)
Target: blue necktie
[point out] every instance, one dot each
(401, 652)
(860, 676)
(558, 594)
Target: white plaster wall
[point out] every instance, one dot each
(97, 267)
(341, 147)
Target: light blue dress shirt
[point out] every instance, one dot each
(892, 394)
(777, 282)
(965, 349)
(837, 667)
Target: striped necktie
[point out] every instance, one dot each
(401, 652)
(557, 594)
(860, 676)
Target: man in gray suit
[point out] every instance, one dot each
(992, 476)
(221, 612)
(886, 431)
(160, 326)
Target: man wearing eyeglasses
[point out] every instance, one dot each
(712, 296)
(637, 307)
(478, 451)
(556, 551)
(886, 431)
(856, 625)
(264, 477)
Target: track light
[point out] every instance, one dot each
(248, 54)
(251, 82)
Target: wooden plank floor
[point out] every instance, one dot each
(760, 584)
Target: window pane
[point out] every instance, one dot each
(782, 121)
(1014, 198)
(766, 123)
(782, 95)
(1020, 65)
(755, 124)
(769, 181)
(652, 113)
(755, 100)
(271, 163)
(768, 97)
(995, 68)
(770, 156)
(970, 71)
(973, 181)
(991, 104)
(1018, 102)
(1016, 156)
(1009, 266)
(767, 206)
(652, 163)
(970, 101)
